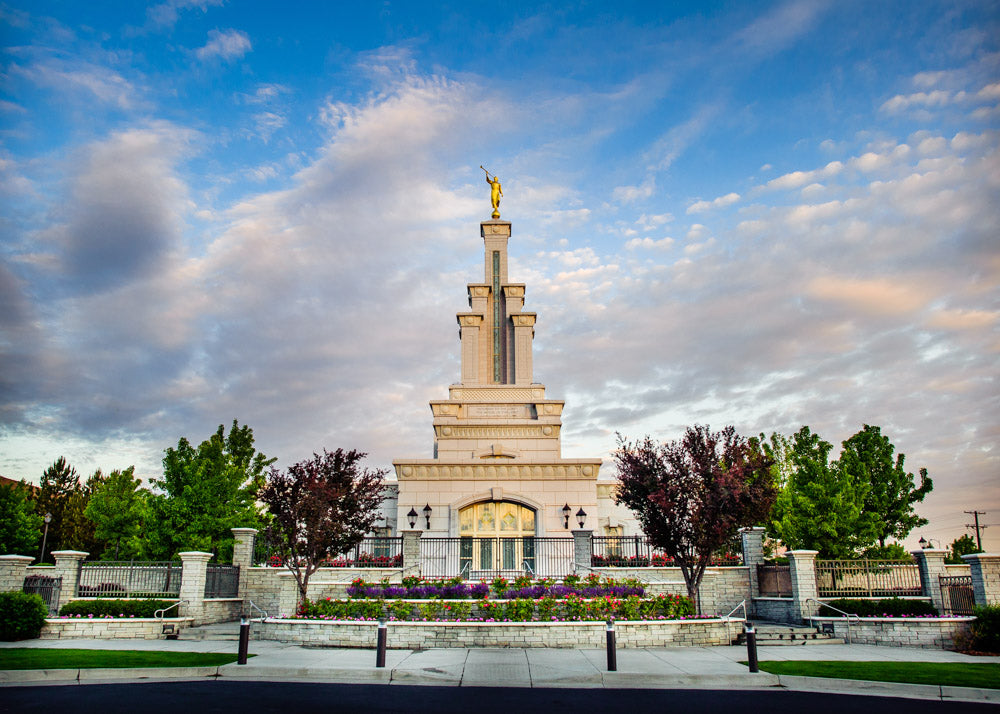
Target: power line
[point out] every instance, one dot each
(977, 526)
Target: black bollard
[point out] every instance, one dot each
(380, 647)
(612, 655)
(244, 641)
(751, 648)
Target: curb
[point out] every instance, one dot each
(888, 689)
(99, 674)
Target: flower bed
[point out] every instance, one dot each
(417, 588)
(544, 609)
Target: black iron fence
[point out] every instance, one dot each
(868, 578)
(638, 552)
(371, 552)
(957, 593)
(47, 587)
(129, 579)
(222, 581)
(475, 558)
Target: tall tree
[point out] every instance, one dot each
(692, 496)
(20, 526)
(821, 507)
(962, 546)
(204, 492)
(321, 507)
(116, 509)
(59, 482)
(78, 530)
(867, 457)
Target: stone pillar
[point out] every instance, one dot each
(985, 571)
(931, 564)
(411, 549)
(194, 568)
(524, 333)
(246, 538)
(753, 555)
(582, 550)
(288, 595)
(68, 568)
(802, 567)
(13, 568)
(469, 325)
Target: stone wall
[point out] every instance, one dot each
(425, 635)
(275, 591)
(220, 610)
(109, 629)
(776, 609)
(936, 632)
(722, 589)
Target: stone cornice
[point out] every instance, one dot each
(433, 470)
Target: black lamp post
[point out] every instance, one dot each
(427, 515)
(412, 515)
(581, 517)
(45, 536)
(566, 510)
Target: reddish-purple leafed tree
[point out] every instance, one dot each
(321, 507)
(692, 496)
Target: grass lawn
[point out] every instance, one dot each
(42, 658)
(984, 675)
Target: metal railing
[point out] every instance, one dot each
(847, 615)
(867, 578)
(774, 580)
(162, 612)
(486, 558)
(47, 587)
(253, 606)
(957, 594)
(222, 581)
(637, 552)
(371, 552)
(129, 579)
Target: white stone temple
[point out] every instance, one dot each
(498, 470)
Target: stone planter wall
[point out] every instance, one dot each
(138, 628)
(776, 609)
(722, 589)
(934, 632)
(426, 635)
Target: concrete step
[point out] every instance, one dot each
(789, 635)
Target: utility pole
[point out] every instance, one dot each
(976, 515)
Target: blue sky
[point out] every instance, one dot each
(763, 214)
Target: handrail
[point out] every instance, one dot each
(253, 606)
(743, 604)
(158, 614)
(847, 615)
(465, 570)
(527, 567)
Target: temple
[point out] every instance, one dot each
(497, 470)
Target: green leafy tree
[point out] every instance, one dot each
(320, 508)
(962, 546)
(891, 551)
(204, 492)
(692, 496)
(59, 482)
(867, 458)
(821, 507)
(78, 530)
(116, 508)
(20, 526)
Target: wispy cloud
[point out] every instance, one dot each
(226, 45)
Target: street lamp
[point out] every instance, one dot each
(412, 516)
(45, 536)
(566, 510)
(581, 517)
(925, 543)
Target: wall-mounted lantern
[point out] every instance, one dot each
(412, 516)
(566, 510)
(427, 515)
(581, 517)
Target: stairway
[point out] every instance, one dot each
(217, 632)
(771, 635)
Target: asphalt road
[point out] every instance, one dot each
(292, 697)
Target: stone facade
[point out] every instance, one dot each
(568, 635)
(144, 628)
(938, 633)
(13, 569)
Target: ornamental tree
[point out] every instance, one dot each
(692, 496)
(320, 508)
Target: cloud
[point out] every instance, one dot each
(226, 45)
(165, 15)
(76, 78)
(795, 179)
(720, 202)
(780, 28)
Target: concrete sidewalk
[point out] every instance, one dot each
(649, 668)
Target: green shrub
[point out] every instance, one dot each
(430, 610)
(115, 608)
(889, 607)
(22, 616)
(400, 609)
(985, 629)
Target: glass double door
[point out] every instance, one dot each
(497, 539)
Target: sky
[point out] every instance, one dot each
(768, 214)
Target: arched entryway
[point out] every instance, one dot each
(496, 537)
